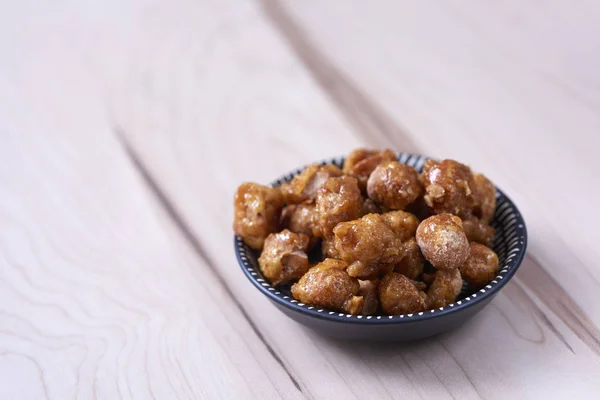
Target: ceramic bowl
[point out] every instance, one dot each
(510, 243)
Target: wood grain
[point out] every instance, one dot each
(191, 151)
(126, 127)
(195, 244)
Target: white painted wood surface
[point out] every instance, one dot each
(125, 127)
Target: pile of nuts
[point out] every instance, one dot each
(375, 237)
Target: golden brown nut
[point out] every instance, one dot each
(402, 223)
(284, 258)
(369, 290)
(444, 289)
(305, 185)
(256, 212)
(485, 198)
(478, 231)
(361, 270)
(398, 295)
(369, 245)
(481, 266)
(361, 162)
(412, 262)
(328, 249)
(443, 241)
(449, 187)
(419, 285)
(338, 200)
(328, 285)
(394, 185)
(355, 156)
(300, 218)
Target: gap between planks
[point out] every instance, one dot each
(180, 223)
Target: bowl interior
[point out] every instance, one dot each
(510, 243)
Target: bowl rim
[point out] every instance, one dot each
(514, 258)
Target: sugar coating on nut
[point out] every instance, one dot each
(399, 295)
(481, 266)
(256, 212)
(445, 288)
(402, 223)
(338, 200)
(478, 231)
(443, 241)
(412, 262)
(449, 187)
(361, 270)
(284, 258)
(361, 163)
(328, 249)
(394, 185)
(369, 244)
(328, 285)
(485, 198)
(305, 185)
(355, 156)
(300, 218)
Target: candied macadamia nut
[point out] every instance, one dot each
(402, 223)
(369, 290)
(413, 262)
(419, 285)
(300, 218)
(392, 240)
(304, 186)
(369, 245)
(481, 266)
(443, 241)
(394, 185)
(338, 200)
(256, 212)
(361, 270)
(355, 157)
(445, 288)
(328, 285)
(399, 295)
(485, 198)
(328, 249)
(478, 231)
(360, 163)
(284, 258)
(449, 187)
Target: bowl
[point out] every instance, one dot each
(510, 243)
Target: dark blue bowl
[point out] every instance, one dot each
(510, 244)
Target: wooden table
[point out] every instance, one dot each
(125, 127)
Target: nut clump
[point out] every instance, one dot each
(374, 237)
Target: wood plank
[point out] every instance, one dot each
(200, 96)
(100, 295)
(199, 139)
